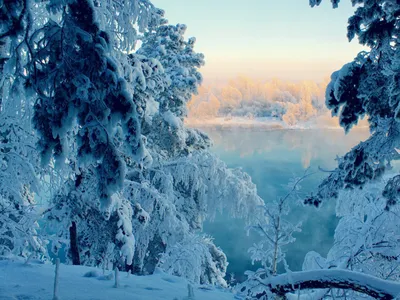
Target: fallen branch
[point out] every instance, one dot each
(337, 278)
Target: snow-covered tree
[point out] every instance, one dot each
(19, 172)
(86, 111)
(181, 64)
(367, 236)
(181, 67)
(19, 162)
(366, 240)
(275, 233)
(368, 86)
(185, 184)
(106, 242)
(78, 79)
(165, 196)
(178, 197)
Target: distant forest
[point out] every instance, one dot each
(291, 102)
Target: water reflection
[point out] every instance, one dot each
(272, 158)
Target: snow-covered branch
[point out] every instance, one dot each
(342, 279)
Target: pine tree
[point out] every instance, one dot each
(167, 194)
(368, 87)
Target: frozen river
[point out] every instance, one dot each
(272, 158)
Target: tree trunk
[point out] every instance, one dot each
(56, 280)
(73, 238)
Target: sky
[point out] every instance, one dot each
(263, 39)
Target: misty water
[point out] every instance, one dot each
(272, 158)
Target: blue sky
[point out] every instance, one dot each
(261, 39)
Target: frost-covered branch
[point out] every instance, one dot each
(365, 162)
(274, 229)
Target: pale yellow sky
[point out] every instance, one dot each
(285, 39)
(305, 60)
(222, 68)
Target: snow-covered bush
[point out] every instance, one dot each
(197, 259)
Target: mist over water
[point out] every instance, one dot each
(272, 158)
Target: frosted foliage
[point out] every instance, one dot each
(276, 232)
(335, 3)
(366, 239)
(127, 20)
(197, 259)
(87, 87)
(13, 16)
(166, 135)
(18, 161)
(179, 196)
(75, 36)
(314, 261)
(367, 87)
(167, 205)
(366, 161)
(19, 169)
(351, 88)
(19, 230)
(180, 62)
(17, 182)
(125, 234)
(103, 237)
(367, 235)
(207, 176)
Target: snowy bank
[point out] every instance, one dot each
(320, 122)
(237, 122)
(35, 281)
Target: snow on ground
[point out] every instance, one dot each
(36, 280)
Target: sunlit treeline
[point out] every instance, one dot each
(243, 97)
